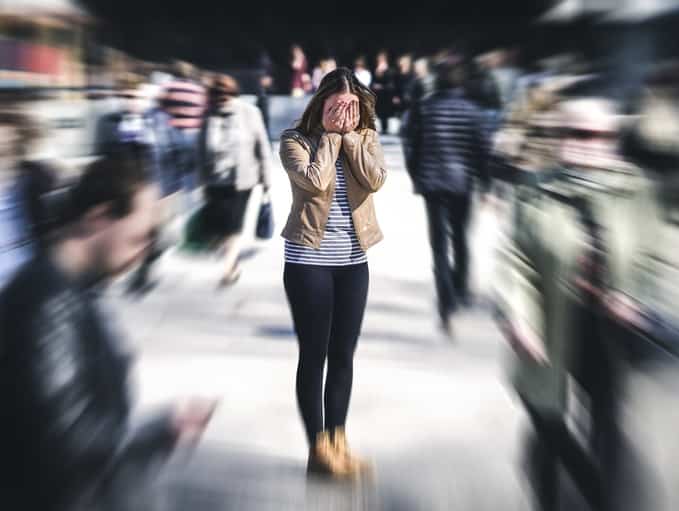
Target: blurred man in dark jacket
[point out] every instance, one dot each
(65, 430)
(444, 148)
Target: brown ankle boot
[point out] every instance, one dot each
(356, 465)
(324, 460)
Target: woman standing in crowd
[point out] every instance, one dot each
(335, 163)
(236, 158)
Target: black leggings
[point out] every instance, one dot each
(327, 305)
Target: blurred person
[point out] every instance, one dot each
(650, 143)
(502, 69)
(324, 67)
(300, 81)
(21, 185)
(553, 313)
(185, 101)
(383, 87)
(649, 317)
(444, 148)
(127, 124)
(423, 81)
(421, 86)
(237, 156)
(335, 163)
(151, 128)
(362, 72)
(266, 86)
(403, 81)
(67, 438)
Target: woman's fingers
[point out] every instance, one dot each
(344, 114)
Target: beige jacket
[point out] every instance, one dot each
(310, 164)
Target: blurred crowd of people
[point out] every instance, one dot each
(581, 175)
(65, 237)
(582, 179)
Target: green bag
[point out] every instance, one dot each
(196, 238)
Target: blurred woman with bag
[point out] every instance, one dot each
(236, 156)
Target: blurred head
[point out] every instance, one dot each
(591, 128)
(405, 63)
(421, 67)
(225, 88)
(450, 72)
(113, 212)
(296, 51)
(340, 84)
(183, 69)
(360, 63)
(382, 57)
(329, 64)
(129, 91)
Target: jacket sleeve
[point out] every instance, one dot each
(263, 148)
(366, 159)
(313, 175)
(84, 432)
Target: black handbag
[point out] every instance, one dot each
(265, 219)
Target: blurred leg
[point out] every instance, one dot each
(437, 215)
(559, 445)
(459, 221)
(310, 296)
(232, 248)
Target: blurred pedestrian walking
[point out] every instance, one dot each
(185, 100)
(444, 150)
(300, 80)
(403, 82)
(67, 438)
(150, 128)
(236, 156)
(555, 312)
(362, 72)
(19, 239)
(383, 85)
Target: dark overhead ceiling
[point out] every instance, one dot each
(224, 34)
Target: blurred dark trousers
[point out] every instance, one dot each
(556, 445)
(594, 467)
(448, 216)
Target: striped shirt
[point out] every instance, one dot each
(340, 246)
(186, 103)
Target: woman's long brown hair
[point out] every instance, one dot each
(340, 80)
